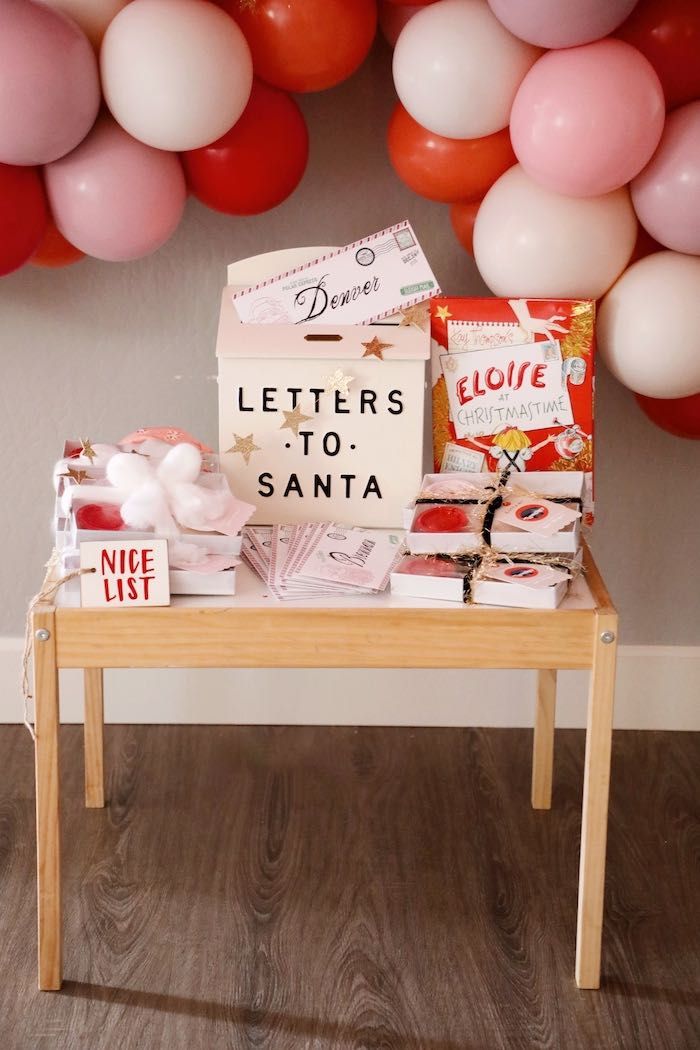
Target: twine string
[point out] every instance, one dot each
(47, 593)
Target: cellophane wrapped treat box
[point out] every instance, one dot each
(513, 386)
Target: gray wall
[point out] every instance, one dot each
(99, 349)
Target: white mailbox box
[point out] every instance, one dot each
(320, 423)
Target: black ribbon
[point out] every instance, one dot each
(576, 500)
(493, 505)
(472, 562)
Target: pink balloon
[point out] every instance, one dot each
(115, 198)
(49, 84)
(551, 23)
(666, 195)
(587, 119)
(393, 17)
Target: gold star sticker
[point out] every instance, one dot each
(87, 450)
(417, 315)
(78, 476)
(338, 381)
(294, 419)
(245, 445)
(442, 313)
(375, 348)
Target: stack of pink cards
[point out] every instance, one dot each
(321, 560)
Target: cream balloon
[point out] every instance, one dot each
(457, 69)
(531, 242)
(176, 74)
(93, 16)
(649, 324)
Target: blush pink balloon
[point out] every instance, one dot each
(587, 119)
(115, 198)
(49, 84)
(551, 23)
(666, 195)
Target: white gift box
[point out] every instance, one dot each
(188, 581)
(484, 592)
(555, 485)
(215, 542)
(357, 456)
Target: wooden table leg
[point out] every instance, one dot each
(48, 830)
(94, 746)
(543, 741)
(594, 818)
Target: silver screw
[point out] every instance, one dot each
(607, 637)
(42, 635)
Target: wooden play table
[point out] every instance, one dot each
(383, 631)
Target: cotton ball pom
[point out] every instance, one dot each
(186, 553)
(182, 463)
(127, 471)
(147, 508)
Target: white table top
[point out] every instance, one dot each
(251, 593)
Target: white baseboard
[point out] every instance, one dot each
(658, 687)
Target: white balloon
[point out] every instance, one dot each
(532, 243)
(176, 74)
(457, 69)
(649, 326)
(93, 16)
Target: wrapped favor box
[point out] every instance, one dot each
(512, 385)
(320, 423)
(447, 580)
(438, 524)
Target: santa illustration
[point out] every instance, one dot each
(512, 448)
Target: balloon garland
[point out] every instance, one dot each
(566, 142)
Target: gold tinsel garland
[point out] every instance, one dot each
(583, 461)
(579, 339)
(441, 421)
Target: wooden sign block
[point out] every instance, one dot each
(124, 574)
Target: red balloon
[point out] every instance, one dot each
(443, 169)
(306, 45)
(393, 17)
(258, 162)
(55, 250)
(679, 416)
(463, 217)
(668, 33)
(23, 216)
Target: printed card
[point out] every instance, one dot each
(541, 516)
(463, 336)
(529, 574)
(457, 459)
(360, 558)
(125, 574)
(361, 283)
(521, 386)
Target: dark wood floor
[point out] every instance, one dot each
(383, 889)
